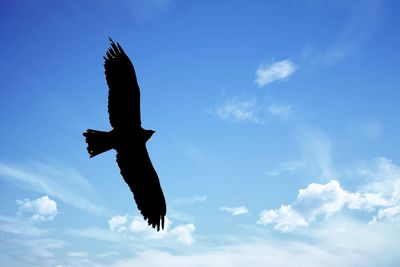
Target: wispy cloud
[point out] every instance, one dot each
(42, 209)
(19, 227)
(288, 167)
(361, 19)
(189, 200)
(236, 210)
(239, 109)
(28, 243)
(280, 70)
(282, 111)
(63, 183)
(317, 151)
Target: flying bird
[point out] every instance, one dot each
(128, 137)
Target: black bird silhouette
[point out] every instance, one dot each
(128, 137)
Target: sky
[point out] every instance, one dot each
(276, 137)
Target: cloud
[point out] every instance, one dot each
(236, 210)
(391, 214)
(19, 227)
(343, 242)
(282, 111)
(276, 71)
(360, 21)
(62, 182)
(184, 233)
(320, 200)
(117, 223)
(42, 209)
(317, 149)
(138, 227)
(22, 241)
(288, 167)
(372, 129)
(78, 254)
(189, 200)
(285, 218)
(239, 109)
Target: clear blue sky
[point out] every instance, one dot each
(276, 133)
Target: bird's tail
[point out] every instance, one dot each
(98, 141)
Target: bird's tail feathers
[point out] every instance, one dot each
(98, 141)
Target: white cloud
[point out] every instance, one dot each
(18, 227)
(189, 200)
(239, 109)
(184, 233)
(285, 218)
(63, 183)
(288, 167)
(236, 210)
(117, 223)
(276, 71)
(321, 200)
(282, 111)
(137, 226)
(42, 209)
(344, 243)
(391, 214)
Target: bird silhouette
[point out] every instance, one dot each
(128, 137)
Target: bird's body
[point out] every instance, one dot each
(128, 137)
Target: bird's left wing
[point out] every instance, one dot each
(141, 177)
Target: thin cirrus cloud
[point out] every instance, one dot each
(380, 198)
(189, 200)
(279, 70)
(281, 111)
(235, 210)
(61, 182)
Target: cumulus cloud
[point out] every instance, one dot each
(236, 210)
(42, 209)
(276, 71)
(117, 223)
(285, 218)
(137, 226)
(391, 214)
(321, 200)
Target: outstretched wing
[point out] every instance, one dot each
(123, 93)
(141, 177)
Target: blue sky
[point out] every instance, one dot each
(276, 133)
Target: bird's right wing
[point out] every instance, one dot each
(141, 177)
(124, 92)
